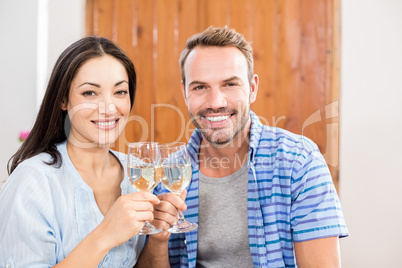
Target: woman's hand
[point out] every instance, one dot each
(166, 214)
(126, 217)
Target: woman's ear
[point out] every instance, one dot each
(64, 105)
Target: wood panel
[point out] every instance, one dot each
(332, 93)
(216, 13)
(264, 38)
(296, 55)
(189, 23)
(287, 97)
(167, 113)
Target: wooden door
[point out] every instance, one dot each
(296, 52)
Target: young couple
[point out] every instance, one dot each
(68, 203)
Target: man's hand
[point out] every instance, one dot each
(166, 213)
(155, 252)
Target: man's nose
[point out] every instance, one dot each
(216, 99)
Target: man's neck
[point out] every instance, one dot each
(217, 161)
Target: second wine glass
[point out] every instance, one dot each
(176, 176)
(144, 172)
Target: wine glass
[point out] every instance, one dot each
(144, 172)
(176, 176)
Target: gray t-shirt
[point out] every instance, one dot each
(222, 226)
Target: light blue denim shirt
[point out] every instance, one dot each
(46, 211)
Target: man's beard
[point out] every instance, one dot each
(221, 136)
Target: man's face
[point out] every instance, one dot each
(218, 93)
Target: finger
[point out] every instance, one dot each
(184, 195)
(166, 207)
(160, 224)
(168, 218)
(143, 216)
(176, 201)
(144, 196)
(141, 206)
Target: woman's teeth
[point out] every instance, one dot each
(217, 118)
(105, 124)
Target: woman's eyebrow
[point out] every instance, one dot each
(121, 82)
(89, 83)
(97, 85)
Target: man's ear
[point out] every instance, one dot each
(254, 88)
(183, 91)
(63, 105)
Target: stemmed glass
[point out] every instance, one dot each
(176, 176)
(144, 172)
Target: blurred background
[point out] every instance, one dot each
(329, 70)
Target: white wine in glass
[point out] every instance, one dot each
(144, 178)
(144, 172)
(176, 176)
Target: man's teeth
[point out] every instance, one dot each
(105, 124)
(217, 118)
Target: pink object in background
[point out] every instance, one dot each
(23, 135)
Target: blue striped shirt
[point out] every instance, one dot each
(46, 211)
(291, 198)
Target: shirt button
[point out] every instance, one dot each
(8, 266)
(185, 241)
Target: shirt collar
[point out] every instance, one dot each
(255, 135)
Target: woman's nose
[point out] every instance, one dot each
(107, 107)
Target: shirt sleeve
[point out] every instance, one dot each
(316, 211)
(26, 233)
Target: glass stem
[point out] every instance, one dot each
(181, 216)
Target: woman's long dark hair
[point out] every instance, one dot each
(49, 127)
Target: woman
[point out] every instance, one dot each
(66, 202)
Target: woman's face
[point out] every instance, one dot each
(98, 102)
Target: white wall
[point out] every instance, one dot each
(24, 69)
(371, 110)
(17, 74)
(371, 127)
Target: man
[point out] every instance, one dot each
(262, 196)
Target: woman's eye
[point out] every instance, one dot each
(122, 92)
(88, 93)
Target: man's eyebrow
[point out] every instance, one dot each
(195, 82)
(97, 85)
(231, 79)
(226, 80)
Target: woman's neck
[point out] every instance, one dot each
(101, 170)
(90, 160)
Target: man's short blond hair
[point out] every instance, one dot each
(218, 37)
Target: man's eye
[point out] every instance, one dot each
(200, 87)
(231, 84)
(88, 93)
